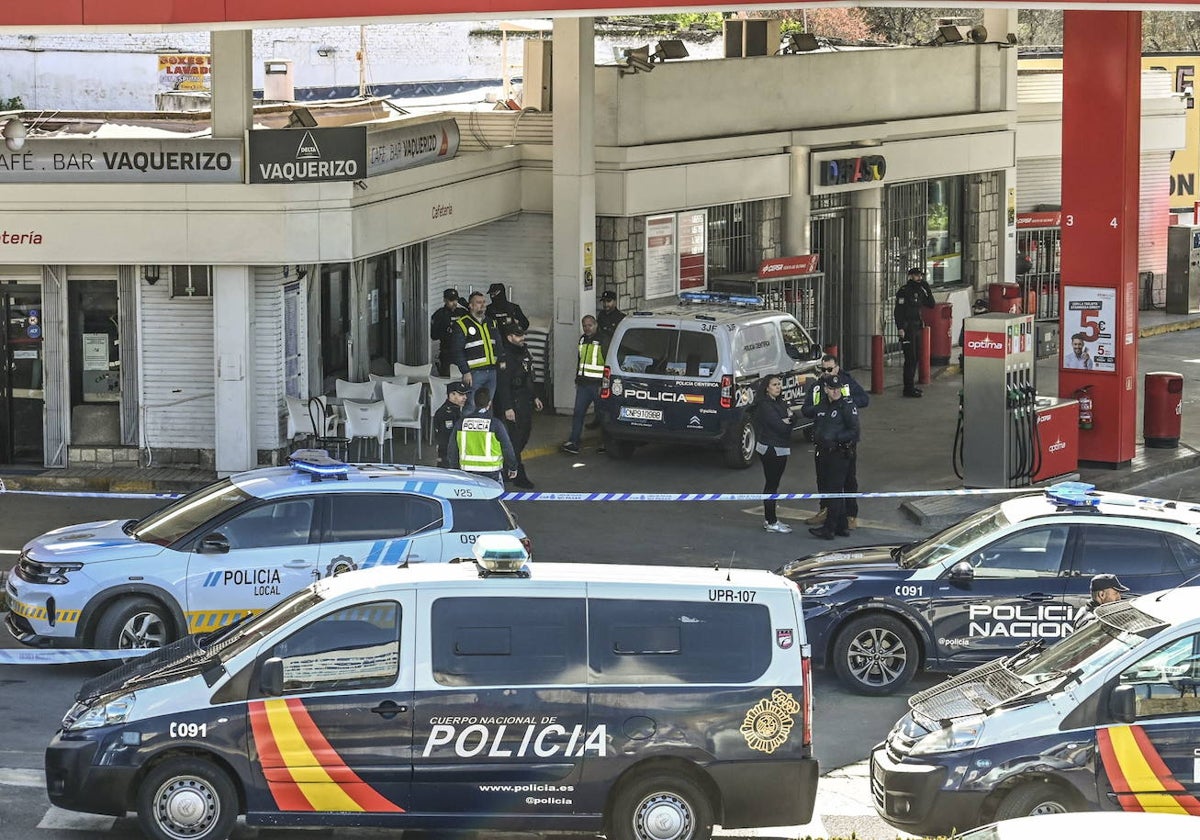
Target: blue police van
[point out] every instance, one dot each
(646, 702)
(1012, 573)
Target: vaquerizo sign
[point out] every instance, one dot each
(308, 155)
(80, 161)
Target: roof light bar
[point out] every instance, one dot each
(501, 554)
(318, 464)
(720, 297)
(1073, 494)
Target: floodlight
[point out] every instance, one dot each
(799, 42)
(670, 49)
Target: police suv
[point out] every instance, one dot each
(687, 373)
(1108, 720)
(238, 546)
(1018, 571)
(647, 702)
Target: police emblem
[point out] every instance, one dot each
(768, 723)
(340, 565)
(784, 638)
(470, 331)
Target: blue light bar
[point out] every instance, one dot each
(316, 462)
(720, 297)
(1073, 494)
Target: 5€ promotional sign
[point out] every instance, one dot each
(1090, 314)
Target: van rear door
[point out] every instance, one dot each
(667, 377)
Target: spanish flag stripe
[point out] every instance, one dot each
(1112, 768)
(284, 791)
(1157, 766)
(1143, 782)
(363, 794)
(315, 784)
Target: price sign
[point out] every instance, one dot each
(1089, 327)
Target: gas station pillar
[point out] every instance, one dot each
(1102, 52)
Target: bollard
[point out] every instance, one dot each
(876, 364)
(923, 356)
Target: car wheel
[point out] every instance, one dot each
(134, 623)
(739, 445)
(187, 799)
(662, 806)
(876, 654)
(1032, 799)
(618, 449)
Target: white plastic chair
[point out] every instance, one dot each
(378, 380)
(415, 373)
(300, 419)
(404, 410)
(437, 396)
(366, 420)
(361, 391)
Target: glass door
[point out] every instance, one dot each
(21, 371)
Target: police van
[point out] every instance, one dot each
(687, 373)
(1107, 720)
(1014, 572)
(239, 545)
(646, 702)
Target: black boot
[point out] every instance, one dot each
(522, 480)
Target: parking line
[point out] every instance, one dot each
(10, 551)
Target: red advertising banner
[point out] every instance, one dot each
(693, 260)
(985, 345)
(1039, 220)
(788, 266)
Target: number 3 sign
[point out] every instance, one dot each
(1090, 317)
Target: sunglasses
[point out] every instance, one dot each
(829, 369)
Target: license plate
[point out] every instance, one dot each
(628, 413)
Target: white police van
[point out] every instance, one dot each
(646, 702)
(238, 546)
(687, 373)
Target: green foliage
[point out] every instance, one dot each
(685, 20)
(12, 104)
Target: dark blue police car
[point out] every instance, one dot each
(1014, 572)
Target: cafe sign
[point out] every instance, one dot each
(85, 161)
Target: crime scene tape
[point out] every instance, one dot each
(64, 656)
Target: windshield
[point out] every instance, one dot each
(1092, 646)
(950, 541)
(189, 513)
(265, 623)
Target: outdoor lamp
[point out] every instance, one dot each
(14, 134)
(669, 49)
(799, 42)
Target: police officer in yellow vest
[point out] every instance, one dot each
(852, 391)
(477, 347)
(588, 374)
(480, 443)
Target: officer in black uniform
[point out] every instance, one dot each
(446, 416)
(515, 398)
(854, 392)
(911, 298)
(440, 325)
(503, 311)
(607, 318)
(835, 433)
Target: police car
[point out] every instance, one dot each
(1017, 571)
(645, 702)
(238, 546)
(1107, 720)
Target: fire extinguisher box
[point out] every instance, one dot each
(1005, 297)
(1162, 413)
(1058, 437)
(940, 320)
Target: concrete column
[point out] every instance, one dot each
(574, 179)
(232, 83)
(798, 205)
(999, 23)
(233, 346)
(866, 273)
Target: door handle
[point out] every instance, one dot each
(298, 564)
(1037, 596)
(388, 709)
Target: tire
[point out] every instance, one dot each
(618, 449)
(187, 799)
(739, 445)
(864, 672)
(1034, 798)
(660, 806)
(134, 623)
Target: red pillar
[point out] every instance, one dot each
(1102, 66)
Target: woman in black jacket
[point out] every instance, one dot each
(773, 425)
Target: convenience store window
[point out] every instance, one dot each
(944, 228)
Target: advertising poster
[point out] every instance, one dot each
(1089, 325)
(184, 72)
(693, 259)
(661, 263)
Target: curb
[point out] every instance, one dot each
(1163, 329)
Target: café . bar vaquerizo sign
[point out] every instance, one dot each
(61, 160)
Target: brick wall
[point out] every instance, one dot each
(984, 229)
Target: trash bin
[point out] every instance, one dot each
(940, 320)
(1005, 297)
(1162, 413)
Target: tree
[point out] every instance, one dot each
(836, 23)
(12, 104)
(914, 26)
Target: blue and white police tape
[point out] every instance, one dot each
(65, 656)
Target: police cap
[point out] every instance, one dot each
(609, 295)
(831, 380)
(1102, 582)
(457, 388)
(495, 289)
(450, 294)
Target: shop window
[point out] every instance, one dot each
(191, 281)
(944, 230)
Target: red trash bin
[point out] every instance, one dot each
(1162, 413)
(940, 321)
(1005, 297)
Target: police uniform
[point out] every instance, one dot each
(607, 320)
(477, 351)
(443, 423)
(440, 326)
(515, 391)
(813, 397)
(588, 373)
(503, 311)
(836, 433)
(480, 444)
(911, 298)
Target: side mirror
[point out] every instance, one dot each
(270, 678)
(214, 543)
(962, 572)
(816, 352)
(1122, 704)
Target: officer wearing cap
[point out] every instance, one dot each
(911, 298)
(515, 398)
(607, 318)
(1106, 589)
(440, 326)
(503, 311)
(446, 416)
(836, 433)
(854, 392)
(480, 443)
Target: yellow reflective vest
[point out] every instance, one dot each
(479, 345)
(479, 449)
(591, 358)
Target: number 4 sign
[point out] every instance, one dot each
(1089, 324)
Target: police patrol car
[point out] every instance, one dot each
(687, 373)
(1017, 571)
(238, 546)
(647, 702)
(1107, 720)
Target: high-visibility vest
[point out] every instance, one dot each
(480, 348)
(479, 449)
(818, 390)
(591, 358)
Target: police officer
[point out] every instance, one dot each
(608, 318)
(503, 311)
(854, 392)
(515, 400)
(588, 374)
(836, 433)
(440, 326)
(445, 418)
(476, 347)
(480, 443)
(911, 298)
(1106, 589)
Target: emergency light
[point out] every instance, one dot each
(318, 464)
(1073, 494)
(720, 297)
(500, 554)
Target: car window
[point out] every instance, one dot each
(1111, 549)
(958, 536)
(177, 520)
(480, 515)
(795, 342)
(645, 350)
(1034, 552)
(274, 524)
(509, 641)
(1166, 682)
(695, 355)
(756, 348)
(357, 517)
(1187, 553)
(354, 648)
